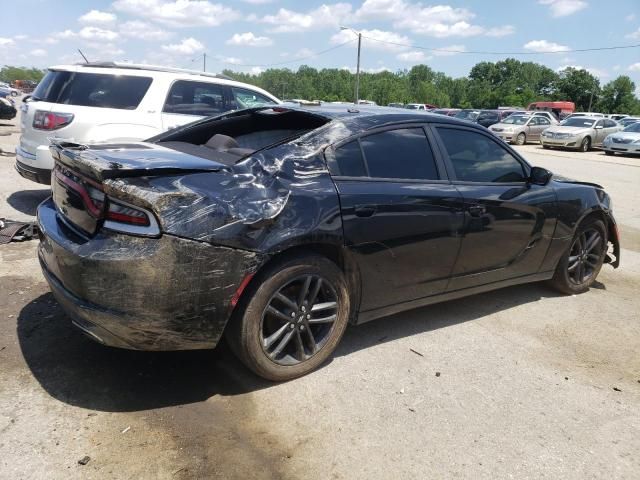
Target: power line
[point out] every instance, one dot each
(480, 52)
(295, 60)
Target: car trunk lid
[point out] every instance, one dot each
(80, 170)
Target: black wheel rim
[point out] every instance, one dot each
(585, 256)
(298, 320)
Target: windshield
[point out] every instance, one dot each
(468, 114)
(578, 122)
(516, 120)
(634, 127)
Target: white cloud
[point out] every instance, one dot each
(21, 37)
(634, 67)
(414, 56)
(502, 31)
(97, 33)
(562, 8)
(616, 68)
(631, 17)
(229, 60)
(6, 42)
(248, 39)
(545, 46)
(96, 17)
(179, 13)
(104, 51)
(188, 46)
(325, 16)
(367, 70)
(256, 70)
(369, 37)
(634, 35)
(38, 52)
(257, 2)
(450, 50)
(438, 21)
(143, 31)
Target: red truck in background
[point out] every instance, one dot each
(559, 109)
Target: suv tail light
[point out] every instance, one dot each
(43, 120)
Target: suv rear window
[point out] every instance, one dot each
(93, 89)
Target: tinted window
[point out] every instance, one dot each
(402, 153)
(543, 121)
(609, 123)
(247, 99)
(195, 98)
(477, 158)
(93, 89)
(349, 160)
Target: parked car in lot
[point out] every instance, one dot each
(469, 114)
(6, 89)
(580, 133)
(625, 122)
(396, 105)
(7, 109)
(419, 106)
(450, 112)
(584, 114)
(520, 129)
(626, 141)
(119, 102)
(617, 116)
(277, 226)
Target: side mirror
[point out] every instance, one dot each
(539, 176)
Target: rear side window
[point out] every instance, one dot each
(477, 158)
(244, 98)
(195, 98)
(402, 153)
(93, 89)
(349, 160)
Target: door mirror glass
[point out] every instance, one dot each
(540, 176)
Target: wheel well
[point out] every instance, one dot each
(337, 254)
(598, 215)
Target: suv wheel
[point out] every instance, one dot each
(292, 319)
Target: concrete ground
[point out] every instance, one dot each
(518, 383)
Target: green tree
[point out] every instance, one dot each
(618, 97)
(578, 86)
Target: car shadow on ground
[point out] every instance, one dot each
(80, 372)
(27, 201)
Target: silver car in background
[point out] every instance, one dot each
(580, 133)
(520, 129)
(626, 141)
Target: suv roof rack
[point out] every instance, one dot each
(153, 68)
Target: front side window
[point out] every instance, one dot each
(402, 153)
(244, 98)
(477, 158)
(195, 98)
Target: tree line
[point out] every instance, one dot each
(489, 85)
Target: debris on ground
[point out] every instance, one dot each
(126, 430)
(84, 460)
(437, 374)
(416, 352)
(617, 389)
(13, 231)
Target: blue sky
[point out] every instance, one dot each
(250, 35)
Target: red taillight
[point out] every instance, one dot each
(51, 120)
(120, 213)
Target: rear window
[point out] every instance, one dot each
(93, 89)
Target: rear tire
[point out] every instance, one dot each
(521, 139)
(585, 146)
(546, 147)
(579, 266)
(609, 152)
(281, 333)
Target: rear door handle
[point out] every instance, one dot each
(477, 210)
(364, 210)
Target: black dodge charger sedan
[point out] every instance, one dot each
(278, 226)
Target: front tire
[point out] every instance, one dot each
(521, 139)
(292, 319)
(585, 146)
(609, 152)
(579, 266)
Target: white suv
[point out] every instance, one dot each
(109, 102)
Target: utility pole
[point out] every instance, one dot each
(357, 93)
(204, 62)
(358, 70)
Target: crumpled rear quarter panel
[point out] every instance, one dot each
(166, 293)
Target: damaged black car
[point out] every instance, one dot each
(276, 227)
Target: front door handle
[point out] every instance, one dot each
(477, 210)
(365, 210)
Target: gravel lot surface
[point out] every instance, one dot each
(518, 383)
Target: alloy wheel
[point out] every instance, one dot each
(585, 256)
(298, 320)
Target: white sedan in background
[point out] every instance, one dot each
(626, 141)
